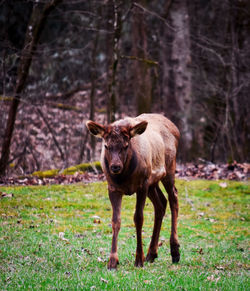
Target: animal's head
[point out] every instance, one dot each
(117, 139)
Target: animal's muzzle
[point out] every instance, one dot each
(115, 169)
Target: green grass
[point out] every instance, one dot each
(59, 237)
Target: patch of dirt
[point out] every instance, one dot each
(235, 171)
(210, 171)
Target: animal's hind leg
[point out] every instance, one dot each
(160, 202)
(168, 183)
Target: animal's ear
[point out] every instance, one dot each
(95, 128)
(138, 128)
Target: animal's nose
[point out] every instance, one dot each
(115, 168)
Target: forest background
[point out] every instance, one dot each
(64, 62)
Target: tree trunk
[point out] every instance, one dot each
(142, 70)
(177, 81)
(236, 151)
(33, 32)
(112, 87)
(93, 84)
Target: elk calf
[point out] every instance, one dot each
(137, 154)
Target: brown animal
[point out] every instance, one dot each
(137, 154)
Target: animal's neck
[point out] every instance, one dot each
(132, 163)
(129, 168)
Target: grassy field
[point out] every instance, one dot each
(59, 237)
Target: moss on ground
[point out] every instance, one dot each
(86, 167)
(81, 168)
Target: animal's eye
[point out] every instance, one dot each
(108, 148)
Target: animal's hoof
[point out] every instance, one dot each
(175, 252)
(175, 259)
(138, 264)
(112, 264)
(139, 261)
(151, 257)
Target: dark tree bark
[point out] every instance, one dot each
(112, 87)
(177, 81)
(94, 83)
(33, 32)
(142, 70)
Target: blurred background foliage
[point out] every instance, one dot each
(107, 59)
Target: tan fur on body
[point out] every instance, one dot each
(156, 149)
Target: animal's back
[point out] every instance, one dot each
(160, 123)
(167, 142)
(157, 146)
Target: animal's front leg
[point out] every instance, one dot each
(116, 201)
(138, 219)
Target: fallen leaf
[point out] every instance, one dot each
(97, 221)
(87, 251)
(211, 219)
(104, 280)
(223, 185)
(67, 273)
(100, 259)
(220, 268)
(212, 278)
(6, 195)
(61, 236)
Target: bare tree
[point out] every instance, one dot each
(142, 82)
(113, 82)
(34, 29)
